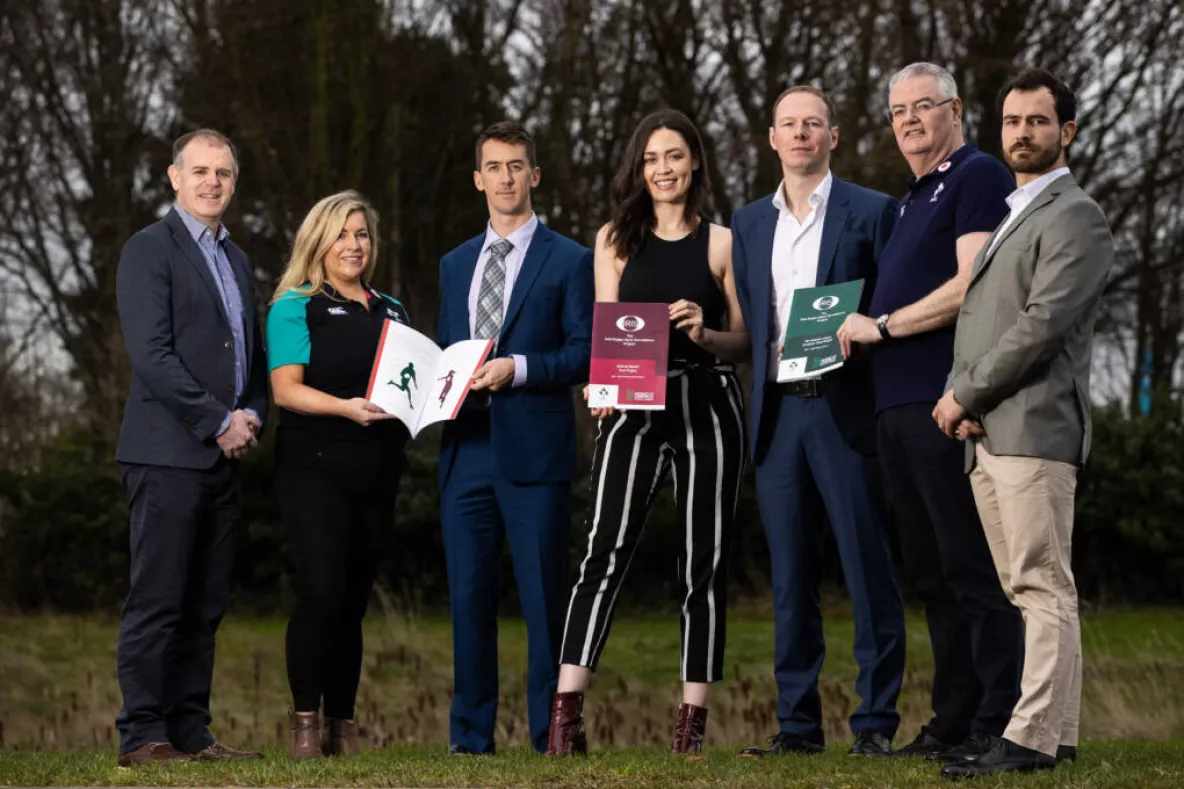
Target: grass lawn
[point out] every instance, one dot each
(58, 691)
(1103, 765)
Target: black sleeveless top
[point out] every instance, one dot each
(666, 271)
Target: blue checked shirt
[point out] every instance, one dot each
(213, 250)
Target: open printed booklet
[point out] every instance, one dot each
(416, 381)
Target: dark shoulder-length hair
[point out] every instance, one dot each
(632, 207)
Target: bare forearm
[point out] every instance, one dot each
(731, 346)
(938, 309)
(305, 400)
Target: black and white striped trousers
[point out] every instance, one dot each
(700, 436)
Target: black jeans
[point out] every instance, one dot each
(184, 526)
(337, 500)
(976, 634)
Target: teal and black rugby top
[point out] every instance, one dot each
(335, 339)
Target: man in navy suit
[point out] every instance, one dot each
(198, 398)
(813, 440)
(507, 461)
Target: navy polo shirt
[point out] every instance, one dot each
(966, 193)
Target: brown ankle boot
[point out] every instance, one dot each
(305, 742)
(567, 736)
(688, 733)
(341, 737)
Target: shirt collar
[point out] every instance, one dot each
(520, 238)
(816, 200)
(372, 296)
(197, 228)
(1029, 192)
(943, 169)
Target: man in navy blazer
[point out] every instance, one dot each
(507, 461)
(812, 440)
(198, 398)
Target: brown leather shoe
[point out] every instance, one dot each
(341, 737)
(305, 742)
(217, 752)
(688, 732)
(567, 736)
(153, 753)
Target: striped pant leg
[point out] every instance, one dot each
(708, 463)
(628, 465)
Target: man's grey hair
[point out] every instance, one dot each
(945, 80)
(209, 135)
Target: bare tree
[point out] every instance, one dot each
(82, 85)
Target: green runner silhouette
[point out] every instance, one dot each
(407, 380)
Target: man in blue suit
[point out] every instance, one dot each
(198, 398)
(813, 440)
(507, 461)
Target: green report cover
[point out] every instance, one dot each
(815, 314)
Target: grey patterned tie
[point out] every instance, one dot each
(490, 299)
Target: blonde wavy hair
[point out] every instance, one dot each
(305, 271)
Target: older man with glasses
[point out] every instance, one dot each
(956, 197)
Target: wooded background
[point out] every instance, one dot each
(386, 96)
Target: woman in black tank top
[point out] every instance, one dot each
(658, 248)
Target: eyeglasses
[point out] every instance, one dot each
(922, 107)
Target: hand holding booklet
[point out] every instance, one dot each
(810, 346)
(630, 344)
(416, 381)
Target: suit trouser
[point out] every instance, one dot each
(810, 474)
(184, 525)
(700, 436)
(337, 499)
(479, 509)
(1026, 506)
(976, 634)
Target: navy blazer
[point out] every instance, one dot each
(549, 321)
(181, 348)
(855, 231)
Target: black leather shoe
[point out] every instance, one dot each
(871, 743)
(974, 746)
(1066, 753)
(925, 744)
(460, 750)
(1005, 756)
(781, 744)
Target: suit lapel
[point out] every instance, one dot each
(760, 275)
(1050, 193)
(837, 215)
(462, 282)
(242, 275)
(536, 254)
(195, 256)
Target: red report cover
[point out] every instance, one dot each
(630, 343)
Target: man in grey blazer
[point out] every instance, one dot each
(198, 398)
(1019, 390)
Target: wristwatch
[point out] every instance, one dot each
(882, 325)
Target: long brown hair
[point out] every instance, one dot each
(632, 207)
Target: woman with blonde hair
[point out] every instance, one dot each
(338, 459)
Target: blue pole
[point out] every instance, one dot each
(1145, 384)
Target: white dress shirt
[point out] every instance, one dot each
(1021, 198)
(796, 246)
(520, 238)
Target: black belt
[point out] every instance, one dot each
(807, 387)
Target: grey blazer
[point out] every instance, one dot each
(1024, 335)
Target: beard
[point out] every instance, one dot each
(1041, 160)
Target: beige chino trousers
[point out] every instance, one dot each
(1026, 506)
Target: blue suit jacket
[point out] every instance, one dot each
(549, 321)
(856, 229)
(181, 348)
